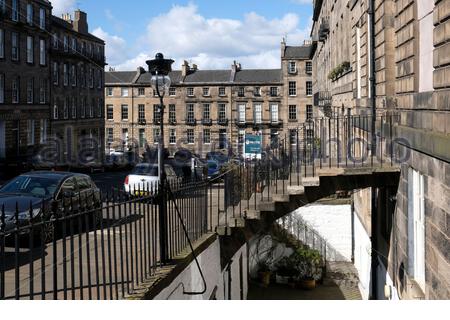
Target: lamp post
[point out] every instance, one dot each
(159, 68)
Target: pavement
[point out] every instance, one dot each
(341, 283)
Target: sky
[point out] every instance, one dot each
(210, 33)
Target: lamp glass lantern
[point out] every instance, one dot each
(160, 68)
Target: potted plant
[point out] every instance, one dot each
(286, 273)
(309, 265)
(265, 273)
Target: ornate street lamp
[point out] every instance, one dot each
(159, 68)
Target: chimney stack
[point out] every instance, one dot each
(283, 47)
(185, 69)
(80, 22)
(67, 17)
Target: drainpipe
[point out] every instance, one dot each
(372, 78)
(374, 224)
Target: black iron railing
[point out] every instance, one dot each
(108, 249)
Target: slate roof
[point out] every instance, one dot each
(200, 77)
(208, 76)
(119, 77)
(301, 52)
(258, 76)
(175, 77)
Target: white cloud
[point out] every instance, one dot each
(63, 6)
(183, 34)
(115, 46)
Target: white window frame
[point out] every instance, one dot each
(308, 67)
(206, 92)
(43, 131)
(15, 10)
(42, 52)
(293, 110)
(172, 113)
(141, 112)
(15, 91)
(30, 49)
(30, 14)
(110, 111)
(122, 109)
(190, 112)
(207, 136)
(124, 92)
(172, 92)
(66, 43)
(30, 91)
(55, 73)
(109, 135)
(222, 91)
(142, 137)
(73, 75)
(172, 136)
(30, 132)
(109, 92)
(292, 67)
(141, 92)
(42, 18)
(292, 88)
(55, 112)
(2, 43)
(66, 74)
(206, 111)
(190, 133)
(74, 108)
(15, 46)
(258, 113)
(222, 111)
(66, 108)
(309, 88)
(43, 91)
(190, 92)
(274, 113)
(416, 227)
(309, 112)
(242, 110)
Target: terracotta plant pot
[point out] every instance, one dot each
(307, 284)
(265, 278)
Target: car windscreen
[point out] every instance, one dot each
(41, 187)
(146, 170)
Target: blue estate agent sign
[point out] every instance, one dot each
(253, 144)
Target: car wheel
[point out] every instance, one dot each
(48, 232)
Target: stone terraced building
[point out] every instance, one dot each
(209, 110)
(403, 47)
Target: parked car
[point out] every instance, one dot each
(145, 176)
(36, 197)
(213, 169)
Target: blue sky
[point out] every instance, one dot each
(209, 33)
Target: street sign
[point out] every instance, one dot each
(253, 146)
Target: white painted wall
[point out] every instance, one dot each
(362, 257)
(209, 261)
(334, 224)
(259, 248)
